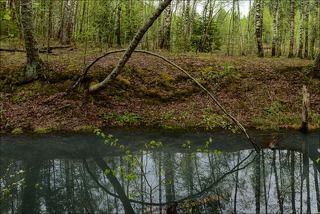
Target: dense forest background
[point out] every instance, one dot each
(271, 27)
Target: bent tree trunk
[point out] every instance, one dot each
(134, 43)
(34, 63)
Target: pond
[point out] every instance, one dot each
(158, 171)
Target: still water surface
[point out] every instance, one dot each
(197, 172)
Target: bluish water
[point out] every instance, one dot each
(158, 172)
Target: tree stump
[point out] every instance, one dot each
(305, 109)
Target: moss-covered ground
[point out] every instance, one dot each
(260, 93)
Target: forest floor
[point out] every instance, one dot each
(260, 93)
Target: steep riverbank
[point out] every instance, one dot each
(260, 93)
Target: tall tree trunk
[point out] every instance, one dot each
(187, 25)
(292, 27)
(248, 29)
(259, 26)
(83, 16)
(134, 43)
(314, 29)
(66, 24)
(240, 30)
(279, 39)
(165, 43)
(275, 12)
(118, 28)
(306, 29)
(34, 63)
(50, 19)
(301, 29)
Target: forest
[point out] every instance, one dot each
(159, 106)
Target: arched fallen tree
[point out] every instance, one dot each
(235, 121)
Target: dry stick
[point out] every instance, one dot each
(255, 146)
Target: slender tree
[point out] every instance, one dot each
(292, 27)
(306, 29)
(118, 26)
(275, 12)
(301, 29)
(259, 25)
(314, 29)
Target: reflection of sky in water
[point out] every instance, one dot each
(190, 172)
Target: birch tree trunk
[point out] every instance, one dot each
(134, 43)
(66, 24)
(34, 63)
(292, 27)
(165, 43)
(274, 27)
(259, 24)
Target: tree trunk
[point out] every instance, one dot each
(274, 27)
(134, 43)
(248, 29)
(66, 24)
(34, 63)
(259, 23)
(279, 39)
(292, 27)
(306, 29)
(83, 16)
(240, 30)
(165, 43)
(314, 29)
(301, 29)
(118, 28)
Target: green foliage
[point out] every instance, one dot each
(17, 131)
(274, 109)
(121, 119)
(229, 72)
(42, 130)
(276, 116)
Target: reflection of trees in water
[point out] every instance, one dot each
(212, 182)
